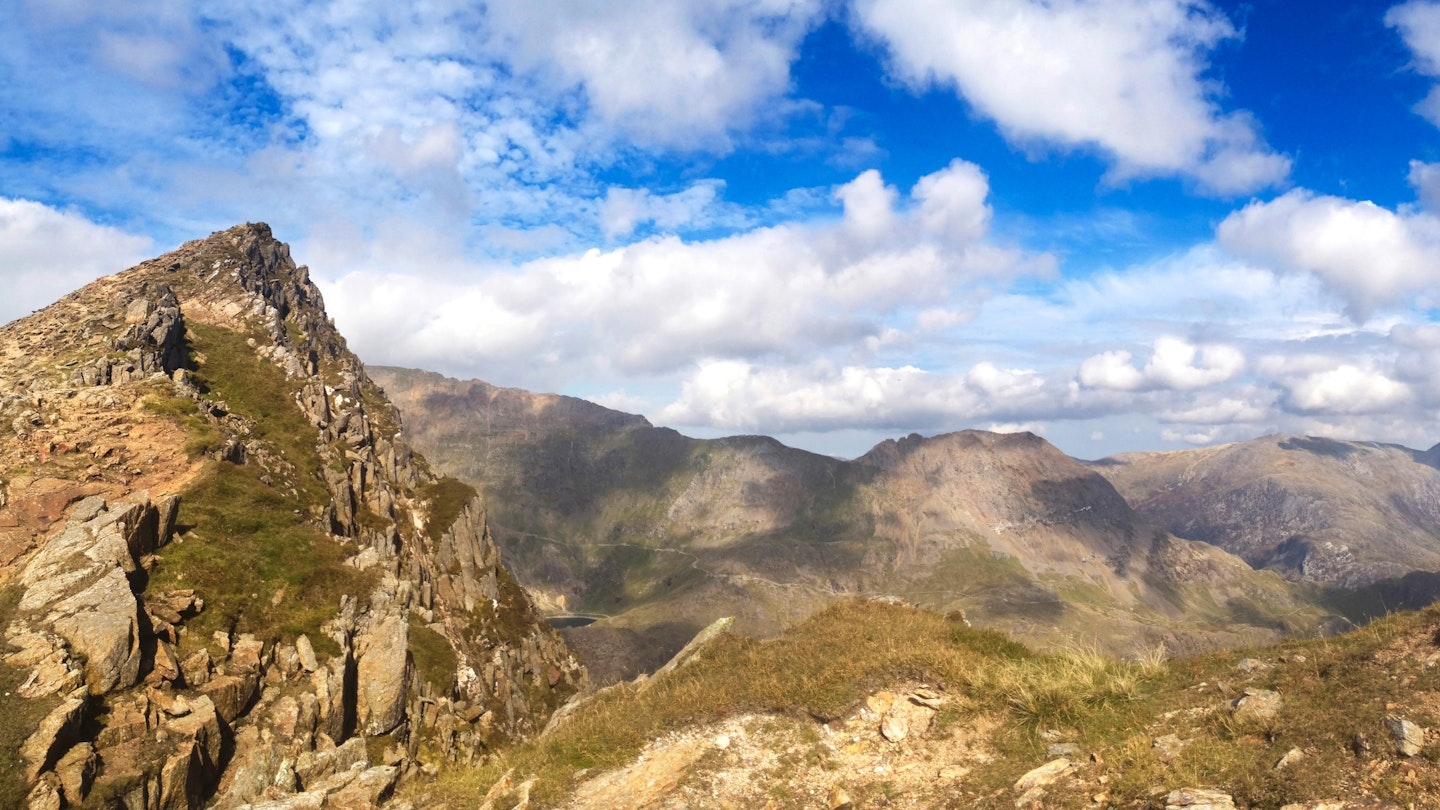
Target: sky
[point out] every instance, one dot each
(1121, 224)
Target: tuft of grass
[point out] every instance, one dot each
(434, 657)
(447, 497)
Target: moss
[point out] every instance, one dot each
(447, 498)
(434, 657)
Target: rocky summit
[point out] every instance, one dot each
(225, 577)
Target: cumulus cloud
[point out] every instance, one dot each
(654, 306)
(1418, 22)
(737, 395)
(1174, 364)
(1348, 389)
(45, 253)
(1370, 256)
(1123, 76)
(674, 74)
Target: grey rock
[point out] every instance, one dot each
(1198, 799)
(1407, 737)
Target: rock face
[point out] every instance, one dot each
(224, 599)
(1351, 514)
(601, 513)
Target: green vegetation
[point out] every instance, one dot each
(250, 548)
(1335, 692)
(822, 669)
(434, 657)
(447, 497)
(260, 566)
(21, 715)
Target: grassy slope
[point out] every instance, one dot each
(1336, 693)
(250, 548)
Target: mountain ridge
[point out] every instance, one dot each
(226, 577)
(619, 518)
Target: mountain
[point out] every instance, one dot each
(225, 577)
(1350, 514)
(598, 512)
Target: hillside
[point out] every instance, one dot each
(600, 513)
(224, 576)
(875, 705)
(1318, 510)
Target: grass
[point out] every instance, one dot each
(251, 549)
(447, 497)
(259, 564)
(434, 657)
(822, 669)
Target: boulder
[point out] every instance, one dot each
(56, 732)
(1259, 705)
(383, 664)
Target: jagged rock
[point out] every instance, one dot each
(77, 772)
(45, 795)
(231, 694)
(202, 725)
(183, 778)
(1407, 737)
(1259, 705)
(839, 799)
(197, 668)
(384, 672)
(1198, 799)
(366, 790)
(53, 737)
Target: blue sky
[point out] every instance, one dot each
(1124, 225)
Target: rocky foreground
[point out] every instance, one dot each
(225, 579)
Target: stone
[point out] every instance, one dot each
(1169, 746)
(197, 668)
(365, 791)
(182, 778)
(231, 694)
(1291, 757)
(202, 725)
(59, 728)
(383, 667)
(1407, 737)
(45, 795)
(1054, 750)
(839, 799)
(76, 771)
(1198, 799)
(1259, 705)
(1252, 665)
(308, 661)
(1045, 775)
(894, 727)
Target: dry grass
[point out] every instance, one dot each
(823, 668)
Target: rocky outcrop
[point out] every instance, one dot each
(432, 652)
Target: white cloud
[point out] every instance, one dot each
(673, 74)
(1369, 255)
(656, 305)
(1120, 75)
(1174, 365)
(46, 253)
(1419, 24)
(1348, 389)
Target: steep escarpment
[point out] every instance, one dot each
(1349, 514)
(226, 577)
(658, 534)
